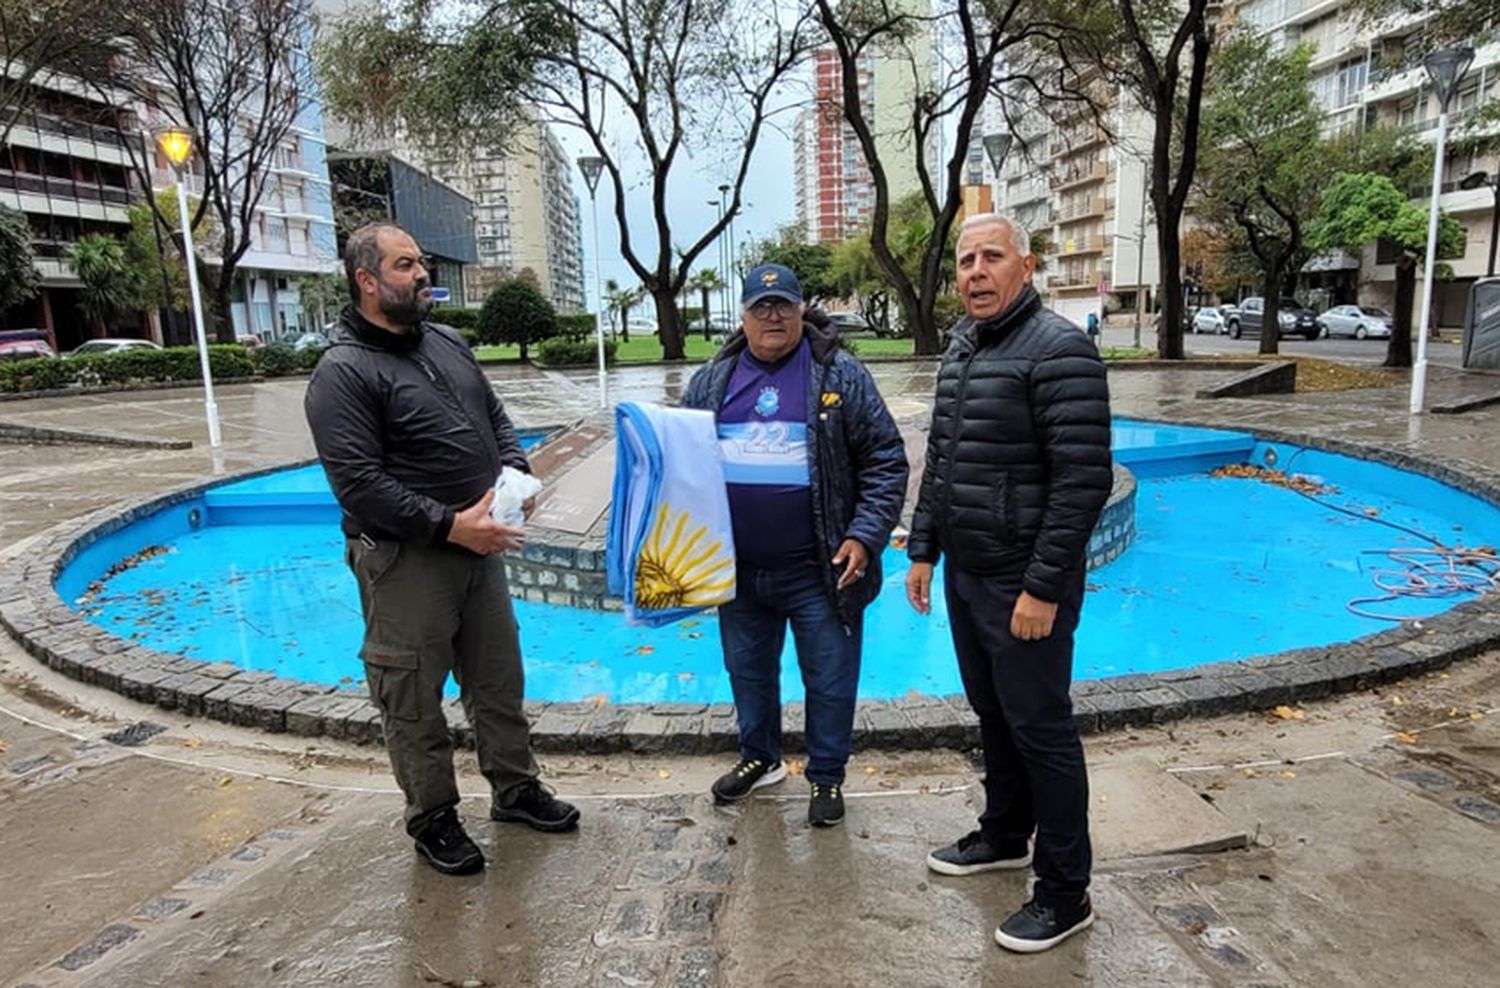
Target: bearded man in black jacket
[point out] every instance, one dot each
(1018, 470)
(412, 438)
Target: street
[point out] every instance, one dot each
(1343, 349)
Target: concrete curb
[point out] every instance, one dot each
(1276, 377)
(45, 626)
(18, 432)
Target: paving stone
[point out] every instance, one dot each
(661, 869)
(691, 912)
(695, 969)
(162, 907)
(716, 869)
(635, 919)
(108, 939)
(634, 969)
(1479, 808)
(135, 734)
(1427, 779)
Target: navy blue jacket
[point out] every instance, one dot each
(857, 459)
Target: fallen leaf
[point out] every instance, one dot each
(684, 676)
(1289, 713)
(1216, 786)
(1405, 738)
(1196, 927)
(1476, 715)
(2, 747)
(889, 784)
(645, 649)
(1287, 774)
(795, 766)
(225, 780)
(1396, 701)
(924, 790)
(1373, 512)
(871, 770)
(1250, 773)
(663, 773)
(192, 742)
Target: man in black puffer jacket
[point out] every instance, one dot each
(1018, 469)
(816, 475)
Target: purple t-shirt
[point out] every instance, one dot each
(763, 441)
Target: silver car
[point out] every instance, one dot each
(1358, 321)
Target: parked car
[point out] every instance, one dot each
(24, 349)
(849, 322)
(1294, 319)
(1358, 321)
(641, 327)
(248, 340)
(310, 340)
(1209, 319)
(112, 344)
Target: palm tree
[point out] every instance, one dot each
(108, 283)
(706, 281)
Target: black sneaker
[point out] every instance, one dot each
(971, 854)
(826, 807)
(750, 774)
(1036, 927)
(447, 847)
(533, 804)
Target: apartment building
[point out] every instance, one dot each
(66, 166)
(1368, 76)
(526, 216)
(834, 191)
(1081, 184)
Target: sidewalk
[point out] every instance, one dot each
(213, 855)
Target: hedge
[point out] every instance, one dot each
(456, 316)
(125, 367)
(576, 325)
(563, 352)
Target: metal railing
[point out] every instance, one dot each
(64, 188)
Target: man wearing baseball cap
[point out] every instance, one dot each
(816, 475)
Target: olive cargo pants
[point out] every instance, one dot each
(430, 611)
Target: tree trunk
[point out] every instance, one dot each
(1270, 321)
(1398, 351)
(707, 322)
(625, 322)
(668, 323)
(1169, 304)
(219, 316)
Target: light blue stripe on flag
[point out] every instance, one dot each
(764, 474)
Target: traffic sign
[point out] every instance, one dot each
(440, 294)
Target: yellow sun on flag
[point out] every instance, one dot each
(676, 570)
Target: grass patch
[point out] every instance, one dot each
(1319, 374)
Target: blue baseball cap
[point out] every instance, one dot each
(770, 281)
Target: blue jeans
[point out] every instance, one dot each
(753, 629)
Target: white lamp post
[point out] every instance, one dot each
(1445, 67)
(591, 166)
(176, 144)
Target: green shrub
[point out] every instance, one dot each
(850, 346)
(576, 325)
(275, 360)
(471, 337)
(308, 359)
(456, 316)
(517, 312)
(562, 352)
(40, 374)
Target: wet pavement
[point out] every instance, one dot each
(212, 855)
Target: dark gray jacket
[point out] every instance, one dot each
(857, 460)
(1018, 462)
(408, 429)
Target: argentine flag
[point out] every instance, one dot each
(671, 545)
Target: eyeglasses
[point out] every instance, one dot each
(768, 307)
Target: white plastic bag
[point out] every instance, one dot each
(512, 489)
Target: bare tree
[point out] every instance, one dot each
(237, 76)
(1000, 47)
(650, 86)
(42, 37)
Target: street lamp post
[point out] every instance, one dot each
(176, 144)
(1445, 67)
(591, 166)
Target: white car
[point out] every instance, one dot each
(1358, 321)
(1209, 320)
(112, 344)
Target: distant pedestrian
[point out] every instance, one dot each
(1018, 470)
(412, 438)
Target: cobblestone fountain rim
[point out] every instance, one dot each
(34, 614)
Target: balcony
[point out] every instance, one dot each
(46, 123)
(1077, 138)
(64, 188)
(1067, 178)
(1094, 208)
(1076, 279)
(1079, 246)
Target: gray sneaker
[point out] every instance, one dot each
(972, 854)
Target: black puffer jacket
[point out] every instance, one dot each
(408, 429)
(1018, 463)
(856, 457)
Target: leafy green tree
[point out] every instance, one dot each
(325, 295)
(111, 286)
(18, 276)
(1264, 165)
(1359, 209)
(517, 312)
